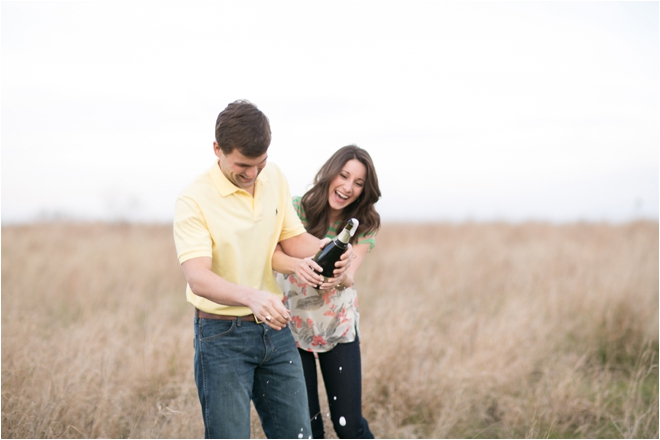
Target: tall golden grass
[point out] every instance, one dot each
(468, 330)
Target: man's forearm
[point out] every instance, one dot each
(215, 288)
(207, 284)
(265, 306)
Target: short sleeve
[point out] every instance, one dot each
(368, 238)
(297, 205)
(292, 225)
(191, 235)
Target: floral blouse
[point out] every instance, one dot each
(321, 320)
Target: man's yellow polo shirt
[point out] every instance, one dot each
(214, 218)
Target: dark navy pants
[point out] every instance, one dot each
(342, 376)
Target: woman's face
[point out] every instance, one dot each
(347, 186)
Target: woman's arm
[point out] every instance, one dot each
(302, 249)
(302, 267)
(283, 263)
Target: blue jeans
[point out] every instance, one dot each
(238, 361)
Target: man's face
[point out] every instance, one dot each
(241, 170)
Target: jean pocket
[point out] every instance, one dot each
(210, 329)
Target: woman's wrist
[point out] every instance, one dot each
(345, 282)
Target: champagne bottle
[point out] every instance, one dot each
(330, 254)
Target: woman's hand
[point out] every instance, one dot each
(340, 283)
(304, 270)
(308, 271)
(344, 262)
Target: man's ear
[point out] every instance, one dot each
(216, 149)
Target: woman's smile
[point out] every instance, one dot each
(347, 186)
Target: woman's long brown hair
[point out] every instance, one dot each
(315, 201)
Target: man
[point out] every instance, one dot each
(227, 224)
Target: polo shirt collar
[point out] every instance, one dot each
(225, 187)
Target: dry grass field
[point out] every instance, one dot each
(468, 331)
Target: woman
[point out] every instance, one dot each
(325, 322)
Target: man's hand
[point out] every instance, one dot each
(269, 309)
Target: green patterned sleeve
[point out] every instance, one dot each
(369, 238)
(299, 209)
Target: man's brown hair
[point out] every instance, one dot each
(242, 126)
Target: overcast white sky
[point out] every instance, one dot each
(471, 110)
